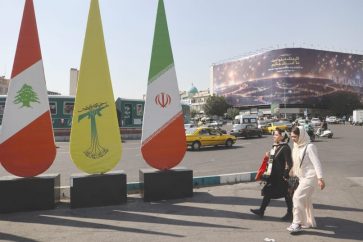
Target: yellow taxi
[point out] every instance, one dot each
(271, 127)
(204, 136)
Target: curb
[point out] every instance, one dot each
(198, 181)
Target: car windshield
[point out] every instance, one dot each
(286, 122)
(190, 131)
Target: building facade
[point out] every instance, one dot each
(4, 85)
(195, 99)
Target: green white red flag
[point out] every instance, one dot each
(163, 143)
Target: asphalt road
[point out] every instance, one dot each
(244, 156)
(218, 213)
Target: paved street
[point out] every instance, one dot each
(214, 213)
(244, 156)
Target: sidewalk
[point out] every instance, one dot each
(219, 213)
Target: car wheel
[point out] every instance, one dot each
(229, 143)
(196, 145)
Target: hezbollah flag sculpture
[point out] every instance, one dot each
(163, 143)
(95, 143)
(27, 145)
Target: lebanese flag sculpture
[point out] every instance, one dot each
(95, 145)
(163, 143)
(27, 145)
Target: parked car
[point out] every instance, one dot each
(246, 131)
(271, 127)
(285, 122)
(188, 126)
(331, 120)
(204, 136)
(302, 122)
(262, 123)
(315, 122)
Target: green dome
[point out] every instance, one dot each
(193, 90)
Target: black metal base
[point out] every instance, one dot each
(28, 194)
(164, 185)
(98, 190)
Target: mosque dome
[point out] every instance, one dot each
(193, 90)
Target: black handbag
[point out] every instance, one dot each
(293, 181)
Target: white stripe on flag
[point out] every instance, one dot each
(155, 116)
(16, 118)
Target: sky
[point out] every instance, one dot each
(202, 32)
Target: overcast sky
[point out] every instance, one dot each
(202, 32)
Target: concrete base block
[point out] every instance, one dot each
(29, 194)
(98, 190)
(164, 185)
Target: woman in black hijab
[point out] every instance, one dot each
(276, 175)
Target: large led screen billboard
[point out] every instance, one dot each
(292, 76)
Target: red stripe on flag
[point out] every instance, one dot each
(30, 151)
(28, 48)
(166, 148)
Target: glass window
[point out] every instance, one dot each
(213, 132)
(139, 110)
(53, 108)
(2, 107)
(68, 108)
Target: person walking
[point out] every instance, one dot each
(307, 167)
(277, 172)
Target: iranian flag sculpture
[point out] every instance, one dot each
(27, 145)
(95, 143)
(163, 143)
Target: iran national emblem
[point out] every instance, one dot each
(163, 99)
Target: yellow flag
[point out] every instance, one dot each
(95, 143)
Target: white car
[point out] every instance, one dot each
(331, 119)
(315, 122)
(188, 126)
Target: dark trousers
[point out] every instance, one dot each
(266, 200)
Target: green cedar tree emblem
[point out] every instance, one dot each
(95, 150)
(26, 96)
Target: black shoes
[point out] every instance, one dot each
(258, 212)
(287, 217)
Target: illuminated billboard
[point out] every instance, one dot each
(292, 76)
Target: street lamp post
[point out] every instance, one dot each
(285, 101)
(289, 91)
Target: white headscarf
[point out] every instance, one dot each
(303, 141)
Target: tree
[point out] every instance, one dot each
(193, 113)
(95, 150)
(25, 96)
(216, 105)
(232, 112)
(342, 103)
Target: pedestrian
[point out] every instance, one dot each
(276, 175)
(307, 167)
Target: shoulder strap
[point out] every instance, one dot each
(303, 155)
(279, 150)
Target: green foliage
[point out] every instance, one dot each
(216, 105)
(342, 103)
(232, 112)
(193, 113)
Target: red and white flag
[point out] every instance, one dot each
(27, 145)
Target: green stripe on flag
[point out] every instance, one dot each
(162, 55)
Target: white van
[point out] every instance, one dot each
(246, 119)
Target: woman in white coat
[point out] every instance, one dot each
(306, 166)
